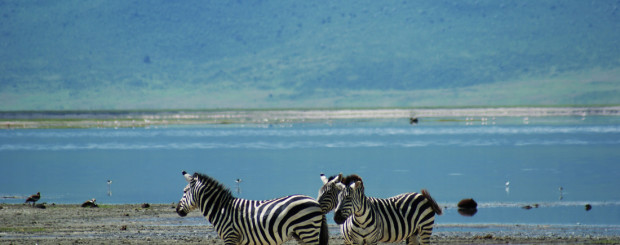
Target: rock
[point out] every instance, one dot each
(468, 203)
(468, 207)
(588, 207)
(146, 205)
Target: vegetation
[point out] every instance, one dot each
(22, 229)
(291, 54)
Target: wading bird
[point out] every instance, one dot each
(34, 198)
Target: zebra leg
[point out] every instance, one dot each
(425, 235)
(231, 239)
(312, 234)
(324, 232)
(298, 239)
(230, 242)
(412, 240)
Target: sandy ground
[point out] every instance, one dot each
(159, 224)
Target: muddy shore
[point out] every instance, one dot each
(150, 118)
(159, 224)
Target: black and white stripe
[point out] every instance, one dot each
(409, 216)
(239, 221)
(328, 194)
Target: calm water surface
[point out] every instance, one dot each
(452, 159)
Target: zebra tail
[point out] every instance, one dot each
(324, 235)
(434, 205)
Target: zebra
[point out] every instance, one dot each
(408, 216)
(240, 221)
(328, 194)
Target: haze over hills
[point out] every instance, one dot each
(94, 55)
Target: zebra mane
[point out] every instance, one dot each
(351, 179)
(209, 181)
(334, 176)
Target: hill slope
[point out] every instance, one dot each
(166, 55)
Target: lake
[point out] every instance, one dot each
(504, 163)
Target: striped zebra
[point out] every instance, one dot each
(328, 194)
(239, 221)
(409, 216)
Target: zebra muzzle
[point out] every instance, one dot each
(339, 218)
(180, 211)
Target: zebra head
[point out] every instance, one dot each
(188, 201)
(328, 194)
(350, 198)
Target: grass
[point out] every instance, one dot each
(375, 55)
(22, 229)
(106, 206)
(606, 241)
(585, 88)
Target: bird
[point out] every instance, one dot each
(90, 203)
(508, 187)
(33, 198)
(238, 181)
(109, 188)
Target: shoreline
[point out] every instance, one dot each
(148, 118)
(159, 224)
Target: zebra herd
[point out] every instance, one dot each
(362, 219)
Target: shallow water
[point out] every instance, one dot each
(453, 159)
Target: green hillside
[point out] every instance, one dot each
(67, 55)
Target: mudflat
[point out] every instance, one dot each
(159, 224)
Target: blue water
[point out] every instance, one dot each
(453, 160)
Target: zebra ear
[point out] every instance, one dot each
(357, 184)
(323, 178)
(337, 178)
(340, 185)
(187, 176)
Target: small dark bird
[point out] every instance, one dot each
(146, 205)
(413, 120)
(34, 198)
(588, 207)
(90, 204)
